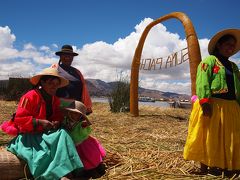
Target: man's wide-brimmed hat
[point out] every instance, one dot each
(79, 107)
(49, 72)
(216, 37)
(66, 49)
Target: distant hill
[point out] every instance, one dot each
(98, 88)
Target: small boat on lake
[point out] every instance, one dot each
(146, 99)
(180, 104)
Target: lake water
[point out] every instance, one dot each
(156, 103)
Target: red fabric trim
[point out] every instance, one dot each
(215, 69)
(204, 100)
(85, 95)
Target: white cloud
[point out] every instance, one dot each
(55, 45)
(100, 60)
(6, 38)
(17, 69)
(44, 48)
(7, 53)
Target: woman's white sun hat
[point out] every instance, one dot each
(216, 37)
(50, 72)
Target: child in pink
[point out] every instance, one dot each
(89, 149)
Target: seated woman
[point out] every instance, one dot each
(48, 150)
(89, 149)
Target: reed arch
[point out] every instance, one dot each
(193, 53)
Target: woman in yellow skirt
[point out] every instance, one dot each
(214, 126)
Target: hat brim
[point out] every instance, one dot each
(75, 110)
(62, 52)
(216, 37)
(35, 79)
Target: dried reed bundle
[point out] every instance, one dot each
(11, 166)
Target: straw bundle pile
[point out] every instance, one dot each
(11, 167)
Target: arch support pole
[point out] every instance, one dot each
(193, 52)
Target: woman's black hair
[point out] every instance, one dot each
(223, 39)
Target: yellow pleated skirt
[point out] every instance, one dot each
(215, 141)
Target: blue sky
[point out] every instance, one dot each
(105, 34)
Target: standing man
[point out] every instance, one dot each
(77, 88)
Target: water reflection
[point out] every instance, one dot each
(156, 103)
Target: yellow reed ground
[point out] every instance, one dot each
(146, 147)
